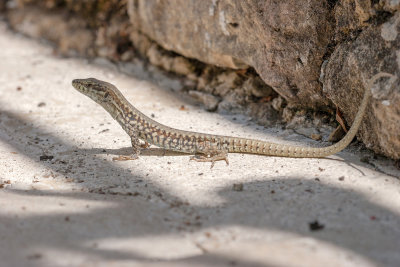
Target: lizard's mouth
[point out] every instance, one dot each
(78, 84)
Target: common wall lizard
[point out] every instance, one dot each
(210, 147)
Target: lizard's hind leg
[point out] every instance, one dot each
(212, 157)
(136, 150)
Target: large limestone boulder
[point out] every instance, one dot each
(285, 41)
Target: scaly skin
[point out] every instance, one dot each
(213, 147)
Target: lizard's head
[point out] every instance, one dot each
(103, 93)
(93, 88)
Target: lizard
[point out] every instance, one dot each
(205, 147)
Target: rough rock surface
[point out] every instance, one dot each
(376, 49)
(84, 28)
(71, 38)
(284, 41)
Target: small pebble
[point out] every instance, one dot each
(237, 187)
(315, 226)
(46, 157)
(316, 137)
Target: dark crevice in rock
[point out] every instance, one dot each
(123, 45)
(380, 17)
(329, 50)
(332, 4)
(234, 24)
(375, 2)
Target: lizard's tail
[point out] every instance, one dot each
(281, 150)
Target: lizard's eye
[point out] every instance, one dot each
(106, 95)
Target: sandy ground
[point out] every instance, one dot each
(65, 202)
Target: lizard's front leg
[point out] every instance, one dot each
(145, 145)
(136, 149)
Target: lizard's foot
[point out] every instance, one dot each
(124, 158)
(136, 146)
(145, 145)
(133, 156)
(211, 158)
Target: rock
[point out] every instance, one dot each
(70, 36)
(2, 6)
(316, 137)
(287, 114)
(231, 103)
(168, 62)
(127, 56)
(155, 57)
(237, 187)
(277, 103)
(112, 40)
(336, 134)
(208, 100)
(351, 66)
(207, 80)
(140, 42)
(285, 50)
(391, 5)
(95, 29)
(182, 66)
(263, 114)
(257, 87)
(226, 82)
(351, 16)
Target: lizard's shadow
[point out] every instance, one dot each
(127, 151)
(160, 152)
